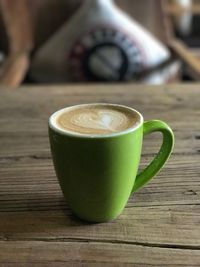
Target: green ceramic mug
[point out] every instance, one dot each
(98, 174)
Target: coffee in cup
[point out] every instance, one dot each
(97, 119)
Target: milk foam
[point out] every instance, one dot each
(102, 120)
(97, 119)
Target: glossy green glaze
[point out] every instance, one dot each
(98, 175)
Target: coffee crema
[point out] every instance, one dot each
(97, 119)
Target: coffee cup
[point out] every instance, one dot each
(96, 150)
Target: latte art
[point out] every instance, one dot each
(97, 119)
(100, 120)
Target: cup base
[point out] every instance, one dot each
(92, 220)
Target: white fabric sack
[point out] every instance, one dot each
(99, 43)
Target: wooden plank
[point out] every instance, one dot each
(70, 264)
(20, 145)
(177, 226)
(95, 252)
(33, 111)
(31, 185)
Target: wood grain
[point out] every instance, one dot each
(160, 225)
(95, 252)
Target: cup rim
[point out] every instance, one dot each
(59, 130)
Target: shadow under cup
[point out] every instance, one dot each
(98, 173)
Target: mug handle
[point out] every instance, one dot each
(157, 163)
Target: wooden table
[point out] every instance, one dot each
(160, 225)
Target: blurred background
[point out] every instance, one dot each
(69, 41)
